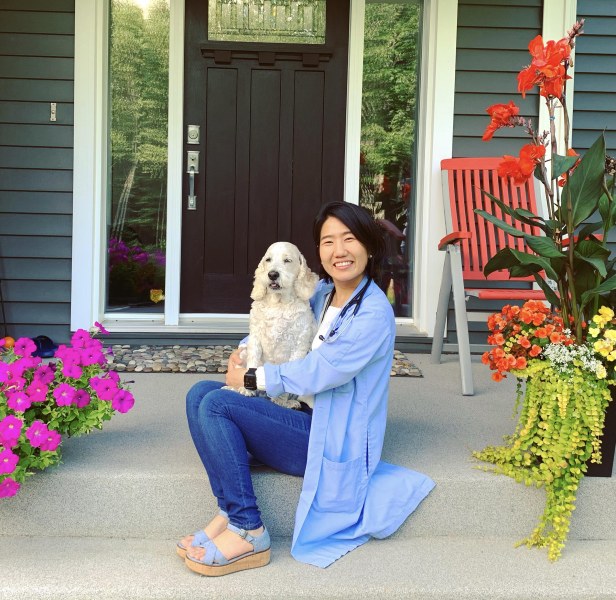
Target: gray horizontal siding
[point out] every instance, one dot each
(492, 48)
(36, 161)
(595, 80)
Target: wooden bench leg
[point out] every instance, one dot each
(441, 312)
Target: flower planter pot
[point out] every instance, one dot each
(608, 443)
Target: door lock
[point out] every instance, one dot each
(192, 168)
(194, 134)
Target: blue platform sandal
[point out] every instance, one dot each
(200, 538)
(215, 564)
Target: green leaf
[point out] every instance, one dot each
(584, 186)
(607, 210)
(561, 164)
(543, 246)
(607, 286)
(594, 254)
(500, 224)
(551, 296)
(589, 229)
(507, 257)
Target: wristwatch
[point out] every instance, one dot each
(250, 379)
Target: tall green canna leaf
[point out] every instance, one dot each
(585, 185)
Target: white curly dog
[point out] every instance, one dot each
(282, 325)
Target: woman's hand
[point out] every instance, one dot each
(235, 369)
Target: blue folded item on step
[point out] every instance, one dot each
(45, 347)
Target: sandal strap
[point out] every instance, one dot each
(241, 532)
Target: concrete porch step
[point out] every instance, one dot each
(141, 478)
(446, 568)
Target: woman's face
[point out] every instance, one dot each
(343, 256)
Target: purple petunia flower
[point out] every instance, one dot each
(64, 394)
(113, 375)
(8, 461)
(4, 372)
(18, 401)
(91, 356)
(51, 441)
(9, 487)
(36, 433)
(44, 374)
(24, 347)
(123, 401)
(82, 398)
(10, 430)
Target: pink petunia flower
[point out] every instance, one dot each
(100, 328)
(24, 347)
(113, 375)
(9, 487)
(37, 433)
(51, 441)
(4, 372)
(105, 388)
(37, 391)
(82, 398)
(8, 461)
(18, 401)
(72, 370)
(10, 430)
(80, 338)
(64, 394)
(91, 356)
(123, 401)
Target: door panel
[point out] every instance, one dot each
(272, 120)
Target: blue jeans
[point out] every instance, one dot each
(225, 426)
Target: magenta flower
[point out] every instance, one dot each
(37, 433)
(10, 430)
(64, 394)
(4, 372)
(44, 375)
(18, 401)
(91, 356)
(80, 338)
(37, 391)
(72, 370)
(100, 328)
(8, 461)
(9, 487)
(51, 441)
(24, 347)
(106, 389)
(123, 401)
(113, 375)
(82, 398)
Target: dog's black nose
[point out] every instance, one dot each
(273, 275)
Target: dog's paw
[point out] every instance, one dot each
(287, 401)
(246, 392)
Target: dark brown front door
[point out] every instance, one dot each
(272, 124)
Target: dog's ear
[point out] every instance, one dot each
(259, 288)
(306, 281)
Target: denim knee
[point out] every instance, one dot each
(195, 396)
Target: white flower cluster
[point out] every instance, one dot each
(564, 358)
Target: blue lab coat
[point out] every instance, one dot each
(348, 494)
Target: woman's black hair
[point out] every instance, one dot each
(361, 225)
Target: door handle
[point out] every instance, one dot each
(192, 162)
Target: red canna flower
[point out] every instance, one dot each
(521, 169)
(501, 116)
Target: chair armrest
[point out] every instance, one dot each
(455, 237)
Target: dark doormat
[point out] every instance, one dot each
(205, 359)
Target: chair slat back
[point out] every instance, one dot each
(464, 181)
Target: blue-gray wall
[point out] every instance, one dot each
(36, 158)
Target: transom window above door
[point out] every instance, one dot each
(269, 21)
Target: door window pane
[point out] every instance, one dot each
(136, 211)
(387, 165)
(270, 21)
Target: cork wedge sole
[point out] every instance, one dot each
(252, 560)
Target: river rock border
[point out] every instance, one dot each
(204, 359)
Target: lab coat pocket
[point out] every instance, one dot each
(342, 485)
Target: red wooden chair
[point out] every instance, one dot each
(471, 241)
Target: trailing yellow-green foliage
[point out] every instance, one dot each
(558, 432)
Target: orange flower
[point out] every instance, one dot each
(520, 363)
(497, 376)
(524, 342)
(535, 350)
(541, 332)
(501, 116)
(499, 339)
(485, 358)
(521, 169)
(555, 337)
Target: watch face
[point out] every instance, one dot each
(250, 379)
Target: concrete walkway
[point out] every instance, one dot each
(104, 524)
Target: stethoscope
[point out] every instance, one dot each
(343, 319)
